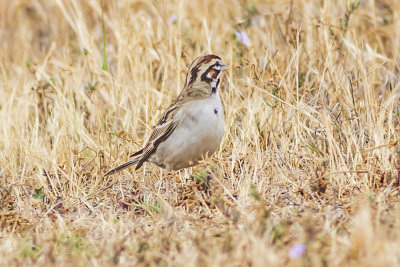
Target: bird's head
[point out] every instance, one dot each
(204, 74)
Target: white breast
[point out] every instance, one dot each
(199, 131)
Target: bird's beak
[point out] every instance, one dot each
(224, 67)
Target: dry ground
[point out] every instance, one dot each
(309, 157)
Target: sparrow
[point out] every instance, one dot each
(192, 126)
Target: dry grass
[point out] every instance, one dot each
(309, 156)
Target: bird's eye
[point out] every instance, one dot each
(217, 66)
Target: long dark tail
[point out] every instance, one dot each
(133, 161)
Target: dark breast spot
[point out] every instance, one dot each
(215, 110)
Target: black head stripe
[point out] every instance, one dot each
(214, 89)
(217, 84)
(210, 69)
(193, 73)
(196, 64)
(204, 77)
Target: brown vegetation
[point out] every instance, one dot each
(310, 154)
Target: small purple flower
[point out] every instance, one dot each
(243, 38)
(297, 251)
(173, 18)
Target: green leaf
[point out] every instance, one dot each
(356, 5)
(254, 193)
(39, 194)
(200, 176)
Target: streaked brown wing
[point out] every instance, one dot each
(159, 135)
(157, 130)
(137, 153)
(165, 126)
